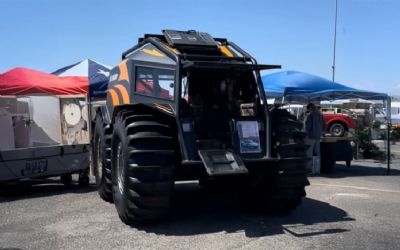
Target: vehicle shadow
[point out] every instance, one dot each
(200, 212)
(357, 169)
(34, 188)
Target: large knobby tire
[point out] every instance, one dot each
(280, 186)
(102, 158)
(337, 129)
(143, 160)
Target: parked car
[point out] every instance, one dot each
(338, 121)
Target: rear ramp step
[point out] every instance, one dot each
(222, 162)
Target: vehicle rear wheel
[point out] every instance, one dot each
(102, 158)
(143, 160)
(280, 186)
(337, 129)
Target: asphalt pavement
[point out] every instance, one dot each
(351, 208)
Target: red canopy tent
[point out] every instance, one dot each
(23, 81)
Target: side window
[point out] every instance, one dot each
(155, 82)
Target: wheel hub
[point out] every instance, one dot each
(337, 130)
(99, 161)
(120, 169)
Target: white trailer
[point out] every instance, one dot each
(44, 136)
(44, 126)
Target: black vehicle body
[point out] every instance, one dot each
(208, 93)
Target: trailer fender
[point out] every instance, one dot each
(105, 114)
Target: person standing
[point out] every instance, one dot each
(314, 127)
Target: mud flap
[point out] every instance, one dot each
(222, 162)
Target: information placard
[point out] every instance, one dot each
(249, 137)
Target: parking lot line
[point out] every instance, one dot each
(357, 187)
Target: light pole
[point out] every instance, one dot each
(334, 46)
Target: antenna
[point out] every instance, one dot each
(334, 46)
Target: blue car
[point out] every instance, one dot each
(249, 144)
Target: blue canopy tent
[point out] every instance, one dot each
(294, 86)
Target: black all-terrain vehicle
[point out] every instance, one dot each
(187, 106)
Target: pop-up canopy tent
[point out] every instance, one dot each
(93, 73)
(294, 86)
(297, 86)
(23, 81)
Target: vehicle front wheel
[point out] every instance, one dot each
(142, 168)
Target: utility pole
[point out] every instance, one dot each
(334, 46)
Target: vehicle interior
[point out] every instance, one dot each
(215, 99)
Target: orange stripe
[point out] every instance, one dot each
(153, 52)
(123, 71)
(114, 97)
(226, 51)
(172, 49)
(124, 93)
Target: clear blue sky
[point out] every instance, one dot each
(49, 34)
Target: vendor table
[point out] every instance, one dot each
(335, 149)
